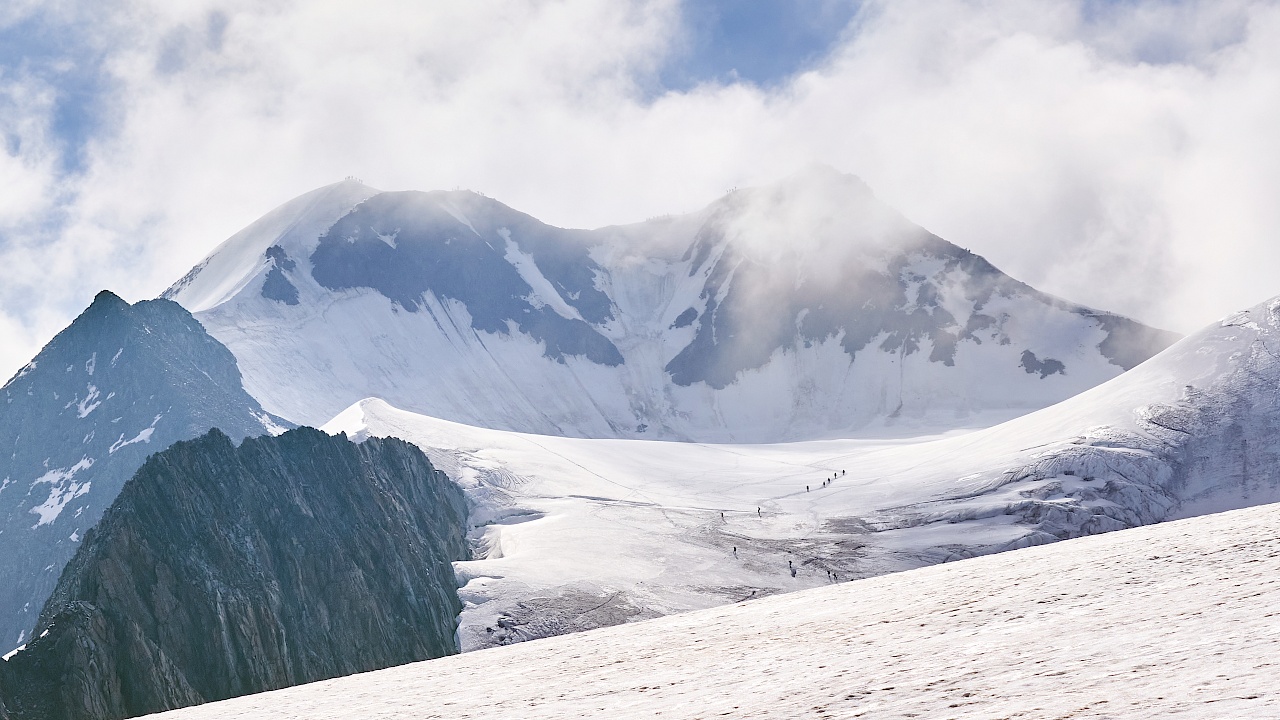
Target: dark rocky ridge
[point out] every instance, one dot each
(119, 383)
(277, 286)
(221, 571)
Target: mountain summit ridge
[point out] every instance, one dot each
(720, 325)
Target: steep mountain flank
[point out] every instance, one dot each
(121, 382)
(221, 571)
(1191, 432)
(390, 243)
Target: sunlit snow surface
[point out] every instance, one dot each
(239, 259)
(576, 533)
(1172, 620)
(571, 534)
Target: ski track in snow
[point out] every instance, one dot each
(1171, 620)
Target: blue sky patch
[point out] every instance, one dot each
(758, 41)
(59, 56)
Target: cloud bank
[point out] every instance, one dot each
(1121, 155)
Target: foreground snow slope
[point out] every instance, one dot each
(578, 533)
(1173, 620)
(803, 310)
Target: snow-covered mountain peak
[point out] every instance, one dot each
(798, 310)
(294, 227)
(682, 525)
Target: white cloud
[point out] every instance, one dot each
(1037, 140)
(1125, 159)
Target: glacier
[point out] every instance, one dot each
(573, 533)
(789, 389)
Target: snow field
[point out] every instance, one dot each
(1170, 620)
(564, 526)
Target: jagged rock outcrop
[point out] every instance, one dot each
(221, 571)
(121, 382)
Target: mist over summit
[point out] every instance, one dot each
(799, 310)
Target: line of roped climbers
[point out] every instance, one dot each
(826, 482)
(832, 576)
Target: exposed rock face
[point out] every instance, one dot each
(221, 571)
(121, 382)
(914, 293)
